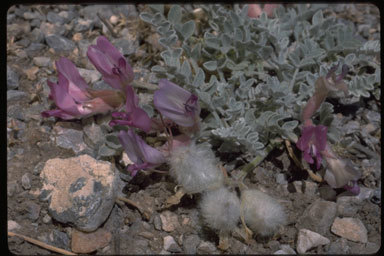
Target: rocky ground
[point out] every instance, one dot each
(45, 157)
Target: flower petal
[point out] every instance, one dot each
(306, 136)
(321, 137)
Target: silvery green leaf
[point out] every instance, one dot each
(205, 97)
(238, 34)
(112, 141)
(196, 52)
(228, 28)
(318, 18)
(188, 29)
(257, 146)
(158, 69)
(174, 14)
(290, 125)
(157, 7)
(172, 57)
(349, 58)
(235, 18)
(147, 17)
(210, 65)
(168, 41)
(186, 68)
(213, 25)
(212, 43)
(265, 52)
(199, 78)
(148, 109)
(157, 19)
(163, 28)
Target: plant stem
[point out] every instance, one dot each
(144, 85)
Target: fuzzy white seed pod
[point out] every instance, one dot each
(262, 213)
(194, 167)
(220, 209)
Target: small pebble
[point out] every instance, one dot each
(25, 181)
(170, 244)
(13, 225)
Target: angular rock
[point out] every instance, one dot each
(26, 181)
(350, 228)
(59, 239)
(206, 247)
(59, 43)
(13, 225)
(83, 25)
(285, 249)
(169, 221)
(81, 190)
(347, 206)
(55, 18)
(15, 95)
(340, 246)
(33, 210)
(318, 217)
(308, 239)
(12, 79)
(41, 61)
(170, 244)
(190, 244)
(70, 139)
(89, 242)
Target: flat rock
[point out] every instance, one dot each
(206, 247)
(347, 206)
(59, 43)
(12, 79)
(169, 221)
(350, 228)
(308, 239)
(89, 242)
(80, 190)
(190, 244)
(318, 217)
(170, 244)
(42, 61)
(70, 139)
(15, 95)
(13, 225)
(285, 249)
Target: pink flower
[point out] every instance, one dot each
(139, 152)
(312, 142)
(177, 104)
(134, 115)
(254, 10)
(111, 64)
(73, 97)
(323, 86)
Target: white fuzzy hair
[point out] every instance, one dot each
(220, 209)
(262, 213)
(194, 167)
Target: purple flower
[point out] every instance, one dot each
(110, 63)
(312, 142)
(134, 116)
(73, 97)
(177, 104)
(143, 155)
(352, 187)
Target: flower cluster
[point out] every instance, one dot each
(313, 140)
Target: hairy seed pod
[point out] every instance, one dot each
(220, 209)
(262, 213)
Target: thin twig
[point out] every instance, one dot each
(134, 204)
(106, 23)
(42, 244)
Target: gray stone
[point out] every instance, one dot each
(33, 15)
(42, 61)
(90, 76)
(34, 48)
(318, 216)
(93, 135)
(157, 222)
(70, 139)
(47, 219)
(12, 79)
(81, 190)
(327, 193)
(308, 239)
(13, 188)
(67, 15)
(15, 95)
(285, 249)
(190, 244)
(55, 18)
(170, 244)
(82, 25)
(26, 181)
(24, 42)
(33, 210)
(35, 23)
(101, 85)
(347, 206)
(59, 239)
(51, 29)
(274, 245)
(351, 127)
(59, 43)
(206, 247)
(126, 47)
(340, 246)
(281, 178)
